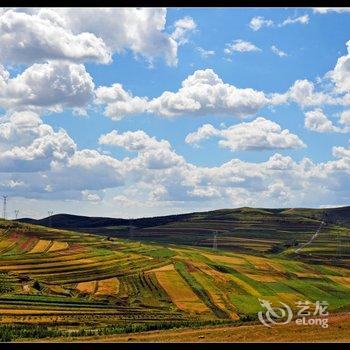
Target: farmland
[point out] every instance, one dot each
(78, 283)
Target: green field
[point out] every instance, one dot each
(74, 283)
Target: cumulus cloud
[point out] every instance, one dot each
(52, 85)
(201, 93)
(204, 93)
(93, 33)
(259, 134)
(206, 131)
(119, 102)
(139, 29)
(303, 93)
(29, 145)
(152, 154)
(132, 140)
(316, 120)
(341, 72)
(278, 52)
(258, 22)
(183, 28)
(240, 45)
(26, 38)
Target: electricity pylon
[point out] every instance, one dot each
(215, 240)
(5, 207)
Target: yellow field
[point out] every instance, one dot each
(87, 287)
(225, 259)
(216, 296)
(169, 267)
(40, 247)
(108, 286)
(180, 293)
(342, 280)
(264, 277)
(58, 246)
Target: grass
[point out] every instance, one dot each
(73, 279)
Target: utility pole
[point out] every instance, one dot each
(5, 206)
(16, 213)
(50, 212)
(131, 230)
(215, 241)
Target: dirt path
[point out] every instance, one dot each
(338, 331)
(314, 236)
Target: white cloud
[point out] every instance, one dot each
(132, 140)
(52, 85)
(278, 52)
(341, 73)
(204, 93)
(120, 103)
(205, 53)
(91, 197)
(258, 22)
(240, 45)
(345, 118)
(324, 10)
(29, 145)
(183, 28)
(91, 33)
(152, 154)
(206, 131)
(303, 92)
(140, 30)
(317, 121)
(301, 19)
(28, 38)
(259, 134)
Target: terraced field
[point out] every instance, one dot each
(72, 280)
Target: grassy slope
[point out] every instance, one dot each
(42, 287)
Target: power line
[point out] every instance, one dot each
(5, 206)
(16, 213)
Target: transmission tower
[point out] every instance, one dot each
(131, 230)
(16, 213)
(50, 212)
(5, 207)
(215, 240)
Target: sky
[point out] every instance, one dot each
(133, 112)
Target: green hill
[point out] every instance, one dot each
(69, 282)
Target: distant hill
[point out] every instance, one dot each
(68, 221)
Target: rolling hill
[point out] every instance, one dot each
(64, 283)
(249, 230)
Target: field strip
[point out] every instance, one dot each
(215, 295)
(180, 293)
(58, 246)
(225, 259)
(87, 287)
(40, 247)
(108, 286)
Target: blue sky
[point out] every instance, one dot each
(93, 121)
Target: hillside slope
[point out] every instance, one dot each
(277, 231)
(59, 277)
